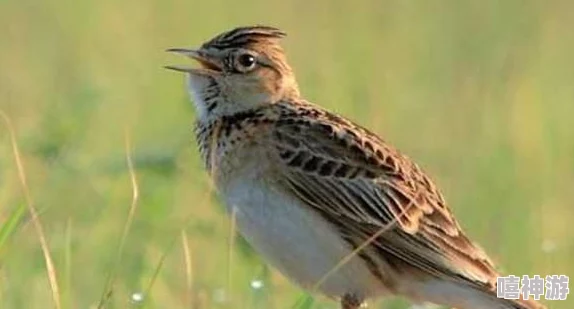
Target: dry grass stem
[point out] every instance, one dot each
(135, 197)
(188, 269)
(51, 270)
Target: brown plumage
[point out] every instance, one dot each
(332, 188)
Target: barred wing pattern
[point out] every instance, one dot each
(361, 184)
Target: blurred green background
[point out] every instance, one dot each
(480, 93)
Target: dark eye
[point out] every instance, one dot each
(246, 62)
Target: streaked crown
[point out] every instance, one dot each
(242, 37)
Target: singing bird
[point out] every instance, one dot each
(327, 202)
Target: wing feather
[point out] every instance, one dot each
(362, 184)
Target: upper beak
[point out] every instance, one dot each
(200, 56)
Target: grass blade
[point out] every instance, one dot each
(8, 228)
(304, 302)
(189, 299)
(108, 288)
(50, 269)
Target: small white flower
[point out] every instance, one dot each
(256, 284)
(137, 297)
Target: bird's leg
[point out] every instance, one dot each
(351, 301)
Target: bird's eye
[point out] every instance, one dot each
(245, 62)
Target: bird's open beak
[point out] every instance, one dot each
(206, 62)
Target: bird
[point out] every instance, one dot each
(330, 204)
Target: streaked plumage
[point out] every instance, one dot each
(310, 187)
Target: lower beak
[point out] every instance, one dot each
(204, 60)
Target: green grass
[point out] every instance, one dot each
(479, 92)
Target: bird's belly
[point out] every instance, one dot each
(296, 240)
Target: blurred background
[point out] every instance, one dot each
(480, 93)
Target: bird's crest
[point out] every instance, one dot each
(242, 36)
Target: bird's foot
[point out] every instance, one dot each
(351, 301)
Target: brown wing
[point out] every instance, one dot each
(361, 184)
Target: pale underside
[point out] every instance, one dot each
(296, 240)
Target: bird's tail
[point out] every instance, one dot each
(462, 296)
